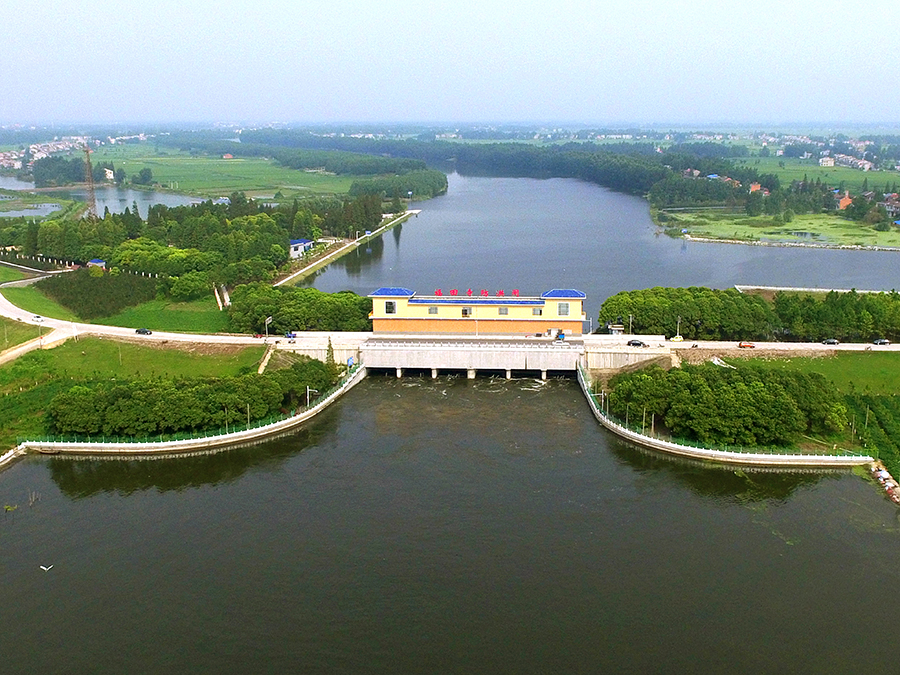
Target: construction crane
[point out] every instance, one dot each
(89, 176)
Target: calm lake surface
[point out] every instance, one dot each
(534, 235)
(456, 526)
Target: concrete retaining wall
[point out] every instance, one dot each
(721, 456)
(474, 355)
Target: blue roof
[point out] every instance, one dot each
(564, 293)
(300, 241)
(97, 260)
(392, 292)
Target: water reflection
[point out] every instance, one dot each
(721, 482)
(80, 478)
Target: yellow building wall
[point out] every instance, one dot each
(475, 326)
(483, 319)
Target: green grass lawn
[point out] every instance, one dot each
(28, 384)
(200, 316)
(214, 176)
(32, 300)
(796, 169)
(10, 274)
(872, 372)
(16, 332)
(820, 228)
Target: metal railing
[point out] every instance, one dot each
(641, 430)
(194, 435)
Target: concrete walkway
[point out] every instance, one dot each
(334, 255)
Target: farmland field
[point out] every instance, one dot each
(213, 176)
(820, 228)
(796, 169)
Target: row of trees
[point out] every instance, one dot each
(422, 184)
(57, 170)
(296, 308)
(704, 313)
(710, 314)
(146, 407)
(748, 405)
(845, 316)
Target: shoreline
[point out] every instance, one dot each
(789, 244)
(346, 248)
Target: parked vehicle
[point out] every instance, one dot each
(144, 331)
(746, 345)
(636, 343)
(882, 342)
(676, 338)
(831, 341)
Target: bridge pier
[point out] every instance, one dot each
(508, 374)
(470, 373)
(543, 374)
(399, 372)
(434, 373)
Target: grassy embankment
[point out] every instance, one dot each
(38, 376)
(214, 176)
(200, 316)
(868, 383)
(820, 228)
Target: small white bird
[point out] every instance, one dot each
(47, 569)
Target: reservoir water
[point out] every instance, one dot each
(456, 526)
(505, 233)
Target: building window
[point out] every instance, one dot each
(390, 307)
(432, 310)
(503, 311)
(466, 312)
(537, 311)
(563, 308)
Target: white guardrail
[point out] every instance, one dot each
(183, 446)
(713, 455)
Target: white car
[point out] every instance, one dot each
(37, 318)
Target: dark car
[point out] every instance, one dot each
(831, 341)
(881, 341)
(636, 343)
(144, 331)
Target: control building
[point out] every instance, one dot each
(400, 310)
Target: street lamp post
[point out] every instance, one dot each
(308, 390)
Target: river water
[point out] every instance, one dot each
(454, 526)
(116, 199)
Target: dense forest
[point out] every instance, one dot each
(150, 406)
(704, 313)
(709, 314)
(751, 405)
(232, 243)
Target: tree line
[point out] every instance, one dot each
(294, 308)
(144, 407)
(711, 314)
(704, 313)
(753, 405)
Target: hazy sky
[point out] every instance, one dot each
(678, 62)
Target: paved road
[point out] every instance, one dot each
(58, 328)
